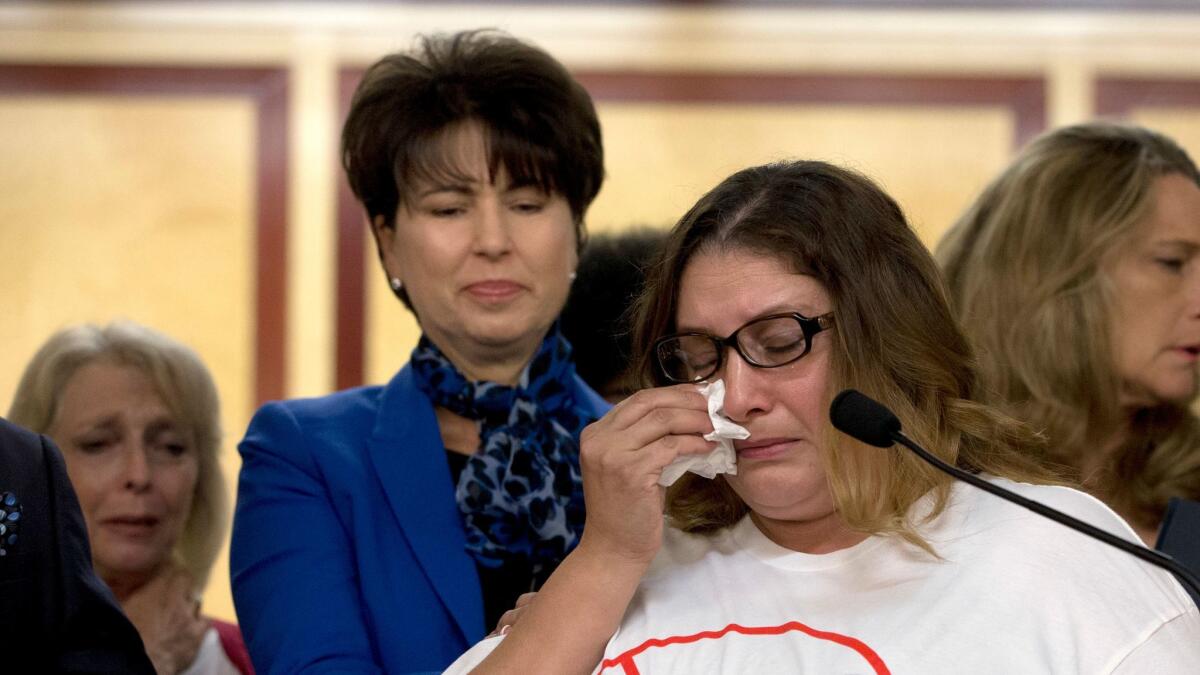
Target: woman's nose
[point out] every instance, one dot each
(744, 396)
(493, 237)
(137, 469)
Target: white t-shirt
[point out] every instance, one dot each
(1013, 593)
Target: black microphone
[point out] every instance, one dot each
(861, 417)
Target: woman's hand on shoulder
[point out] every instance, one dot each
(512, 616)
(166, 613)
(622, 456)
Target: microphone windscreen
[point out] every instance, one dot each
(856, 414)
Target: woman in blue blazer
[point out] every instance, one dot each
(384, 528)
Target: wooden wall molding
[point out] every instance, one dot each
(350, 301)
(1119, 96)
(1025, 96)
(268, 89)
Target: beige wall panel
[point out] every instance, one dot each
(141, 208)
(1181, 124)
(662, 157)
(390, 330)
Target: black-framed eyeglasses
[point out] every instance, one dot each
(767, 342)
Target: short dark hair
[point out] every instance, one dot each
(539, 124)
(596, 319)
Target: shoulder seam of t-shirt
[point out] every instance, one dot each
(1154, 630)
(1095, 507)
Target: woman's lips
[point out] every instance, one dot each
(765, 448)
(1189, 353)
(494, 290)
(131, 526)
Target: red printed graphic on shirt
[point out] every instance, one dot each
(830, 649)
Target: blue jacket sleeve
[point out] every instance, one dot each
(295, 584)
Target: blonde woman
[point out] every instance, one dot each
(1077, 277)
(136, 416)
(787, 283)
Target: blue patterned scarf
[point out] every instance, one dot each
(521, 495)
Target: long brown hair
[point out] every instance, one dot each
(1025, 266)
(896, 339)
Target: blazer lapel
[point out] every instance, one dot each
(406, 449)
(588, 400)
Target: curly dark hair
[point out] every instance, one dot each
(596, 319)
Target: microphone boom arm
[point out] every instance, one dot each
(1149, 555)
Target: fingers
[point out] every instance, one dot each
(637, 406)
(180, 587)
(651, 460)
(670, 432)
(508, 618)
(196, 629)
(631, 445)
(524, 599)
(639, 470)
(663, 425)
(507, 621)
(180, 599)
(665, 450)
(650, 415)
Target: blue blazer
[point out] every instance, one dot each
(348, 553)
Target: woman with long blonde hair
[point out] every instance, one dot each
(137, 417)
(1076, 275)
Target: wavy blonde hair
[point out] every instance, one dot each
(895, 339)
(186, 388)
(1026, 267)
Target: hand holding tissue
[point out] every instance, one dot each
(723, 458)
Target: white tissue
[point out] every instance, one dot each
(723, 458)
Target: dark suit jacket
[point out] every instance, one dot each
(348, 549)
(56, 616)
(1179, 536)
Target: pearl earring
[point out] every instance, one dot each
(396, 284)
(571, 276)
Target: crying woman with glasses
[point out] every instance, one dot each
(818, 554)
